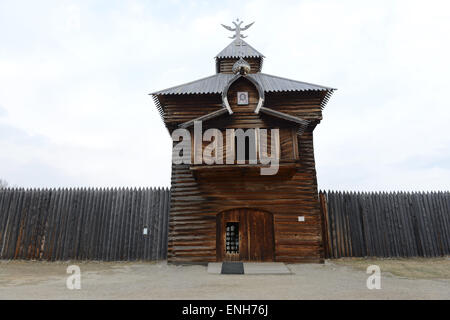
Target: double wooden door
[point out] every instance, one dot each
(245, 235)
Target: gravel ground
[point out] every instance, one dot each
(336, 279)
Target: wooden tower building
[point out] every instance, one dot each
(230, 209)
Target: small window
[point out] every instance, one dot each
(232, 237)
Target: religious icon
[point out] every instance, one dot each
(242, 98)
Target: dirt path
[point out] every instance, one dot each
(339, 279)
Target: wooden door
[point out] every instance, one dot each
(245, 235)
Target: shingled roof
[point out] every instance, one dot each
(234, 49)
(216, 83)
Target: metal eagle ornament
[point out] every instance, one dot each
(237, 29)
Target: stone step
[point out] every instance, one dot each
(254, 268)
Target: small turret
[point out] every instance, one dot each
(238, 48)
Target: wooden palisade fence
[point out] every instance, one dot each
(84, 224)
(108, 224)
(398, 224)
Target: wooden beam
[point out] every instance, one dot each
(203, 118)
(284, 116)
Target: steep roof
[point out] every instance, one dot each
(272, 83)
(211, 84)
(233, 50)
(216, 83)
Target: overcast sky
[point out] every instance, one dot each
(75, 78)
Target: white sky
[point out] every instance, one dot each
(75, 78)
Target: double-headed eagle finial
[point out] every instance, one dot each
(238, 29)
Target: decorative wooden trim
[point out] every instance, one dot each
(253, 81)
(284, 116)
(206, 117)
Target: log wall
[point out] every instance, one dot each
(196, 201)
(226, 65)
